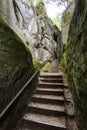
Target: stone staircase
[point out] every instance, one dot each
(47, 108)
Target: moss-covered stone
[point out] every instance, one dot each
(76, 61)
(15, 64)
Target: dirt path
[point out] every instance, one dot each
(54, 66)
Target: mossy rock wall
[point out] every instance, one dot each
(76, 61)
(15, 64)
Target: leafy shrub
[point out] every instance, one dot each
(38, 64)
(46, 67)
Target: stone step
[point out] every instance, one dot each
(46, 109)
(49, 96)
(48, 99)
(43, 122)
(49, 91)
(50, 85)
(48, 106)
(51, 75)
(51, 80)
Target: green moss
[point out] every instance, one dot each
(67, 16)
(11, 34)
(63, 62)
(38, 64)
(74, 64)
(15, 64)
(46, 67)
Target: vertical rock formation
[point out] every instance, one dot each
(15, 64)
(44, 41)
(31, 24)
(76, 57)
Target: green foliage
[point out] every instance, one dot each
(37, 64)
(46, 67)
(40, 64)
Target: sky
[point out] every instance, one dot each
(53, 10)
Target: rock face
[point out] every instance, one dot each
(31, 24)
(15, 64)
(3, 9)
(76, 57)
(66, 19)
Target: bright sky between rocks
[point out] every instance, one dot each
(53, 9)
